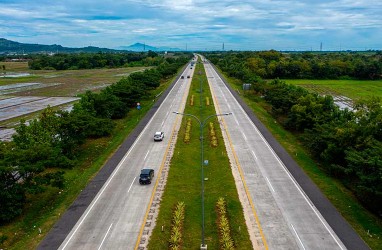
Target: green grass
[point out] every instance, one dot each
(43, 210)
(354, 89)
(367, 225)
(184, 183)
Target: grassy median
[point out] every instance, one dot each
(184, 181)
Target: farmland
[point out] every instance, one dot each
(19, 82)
(353, 89)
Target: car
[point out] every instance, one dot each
(188, 76)
(146, 176)
(191, 68)
(182, 77)
(158, 136)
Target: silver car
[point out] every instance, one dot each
(158, 136)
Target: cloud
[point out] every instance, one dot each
(248, 24)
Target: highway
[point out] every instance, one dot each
(114, 218)
(281, 215)
(285, 217)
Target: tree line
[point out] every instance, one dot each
(251, 66)
(65, 61)
(43, 149)
(346, 144)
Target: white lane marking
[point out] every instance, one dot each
(254, 155)
(115, 172)
(104, 238)
(244, 135)
(131, 184)
(298, 237)
(146, 155)
(162, 123)
(281, 164)
(236, 121)
(270, 185)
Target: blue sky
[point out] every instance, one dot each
(196, 25)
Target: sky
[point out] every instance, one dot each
(196, 24)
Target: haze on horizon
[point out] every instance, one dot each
(196, 25)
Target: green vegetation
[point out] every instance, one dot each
(68, 144)
(175, 241)
(223, 224)
(354, 89)
(252, 66)
(367, 225)
(184, 183)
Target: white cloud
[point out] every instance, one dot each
(252, 23)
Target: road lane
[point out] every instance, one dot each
(122, 202)
(286, 215)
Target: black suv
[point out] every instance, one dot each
(146, 176)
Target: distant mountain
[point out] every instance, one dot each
(139, 47)
(11, 47)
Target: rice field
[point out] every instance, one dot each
(24, 93)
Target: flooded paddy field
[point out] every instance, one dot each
(18, 106)
(24, 93)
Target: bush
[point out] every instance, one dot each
(213, 137)
(175, 240)
(187, 134)
(225, 239)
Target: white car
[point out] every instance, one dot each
(158, 136)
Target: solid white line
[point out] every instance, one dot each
(131, 184)
(270, 185)
(254, 155)
(146, 155)
(282, 165)
(298, 237)
(237, 122)
(104, 238)
(162, 123)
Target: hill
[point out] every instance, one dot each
(139, 47)
(12, 47)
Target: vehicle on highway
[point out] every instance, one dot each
(158, 136)
(146, 176)
(188, 76)
(182, 77)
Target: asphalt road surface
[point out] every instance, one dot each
(113, 219)
(288, 218)
(291, 212)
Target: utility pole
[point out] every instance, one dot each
(321, 46)
(223, 46)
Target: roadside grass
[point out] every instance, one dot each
(45, 209)
(367, 225)
(354, 89)
(184, 182)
